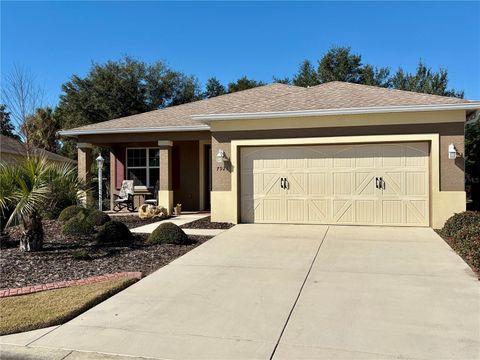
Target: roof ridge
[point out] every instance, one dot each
(381, 88)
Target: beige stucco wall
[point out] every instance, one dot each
(446, 127)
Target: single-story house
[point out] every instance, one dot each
(336, 153)
(13, 151)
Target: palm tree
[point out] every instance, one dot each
(26, 188)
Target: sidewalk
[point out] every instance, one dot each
(181, 220)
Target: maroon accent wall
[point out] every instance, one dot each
(119, 166)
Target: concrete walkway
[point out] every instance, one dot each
(291, 292)
(181, 220)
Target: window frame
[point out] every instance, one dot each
(147, 166)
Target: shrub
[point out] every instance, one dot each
(78, 226)
(168, 233)
(96, 217)
(114, 232)
(81, 255)
(467, 243)
(70, 212)
(459, 222)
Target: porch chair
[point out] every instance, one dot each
(154, 199)
(124, 199)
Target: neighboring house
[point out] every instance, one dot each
(336, 153)
(12, 150)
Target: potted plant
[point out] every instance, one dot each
(178, 209)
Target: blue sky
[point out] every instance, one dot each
(228, 39)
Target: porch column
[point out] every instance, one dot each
(165, 192)
(113, 177)
(84, 163)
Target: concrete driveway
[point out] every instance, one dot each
(292, 292)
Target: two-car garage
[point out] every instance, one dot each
(367, 184)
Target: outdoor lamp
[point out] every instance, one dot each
(221, 157)
(452, 152)
(100, 160)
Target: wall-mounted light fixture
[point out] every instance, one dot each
(221, 157)
(452, 152)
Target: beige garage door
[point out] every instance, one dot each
(370, 184)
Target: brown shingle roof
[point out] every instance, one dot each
(180, 115)
(9, 145)
(342, 95)
(276, 98)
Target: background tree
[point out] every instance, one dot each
(306, 76)
(6, 125)
(424, 80)
(338, 64)
(285, 80)
(185, 89)
(243, 84)
(41, 129)
(472, 159)
(22, 96)
(375, 76)
(214, 88)
(122, 88)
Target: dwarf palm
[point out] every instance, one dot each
(25, 188)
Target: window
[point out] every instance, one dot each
(143, 166)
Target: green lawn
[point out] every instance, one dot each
(54, 307)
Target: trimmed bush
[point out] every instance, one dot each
(467, 243)
(168, 233)
(460, 222)
(114, 232)
(81, 255)
(78, 225)
(96, 217)
(70, 212)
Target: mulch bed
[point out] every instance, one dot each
(133, 221)
(57, 262)
(467, 259)
(206, 223)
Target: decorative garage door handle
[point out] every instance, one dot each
(284, 183)
(379, 183)
(281, 183)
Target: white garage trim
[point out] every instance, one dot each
(439, 208)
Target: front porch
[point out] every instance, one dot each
(175, 167)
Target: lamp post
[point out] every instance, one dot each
(100, 162)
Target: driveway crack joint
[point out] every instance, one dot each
(298, 295)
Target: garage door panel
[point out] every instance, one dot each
(297, 184)
(317, 184)
(269, 210)
(343, 211)
(393, 183)
(342, 183)
(295, 210)
(335, 184)
(364, 183)
(416, 184)
(392, 212)
(415, 212)
(366, 211)
(318, 210)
